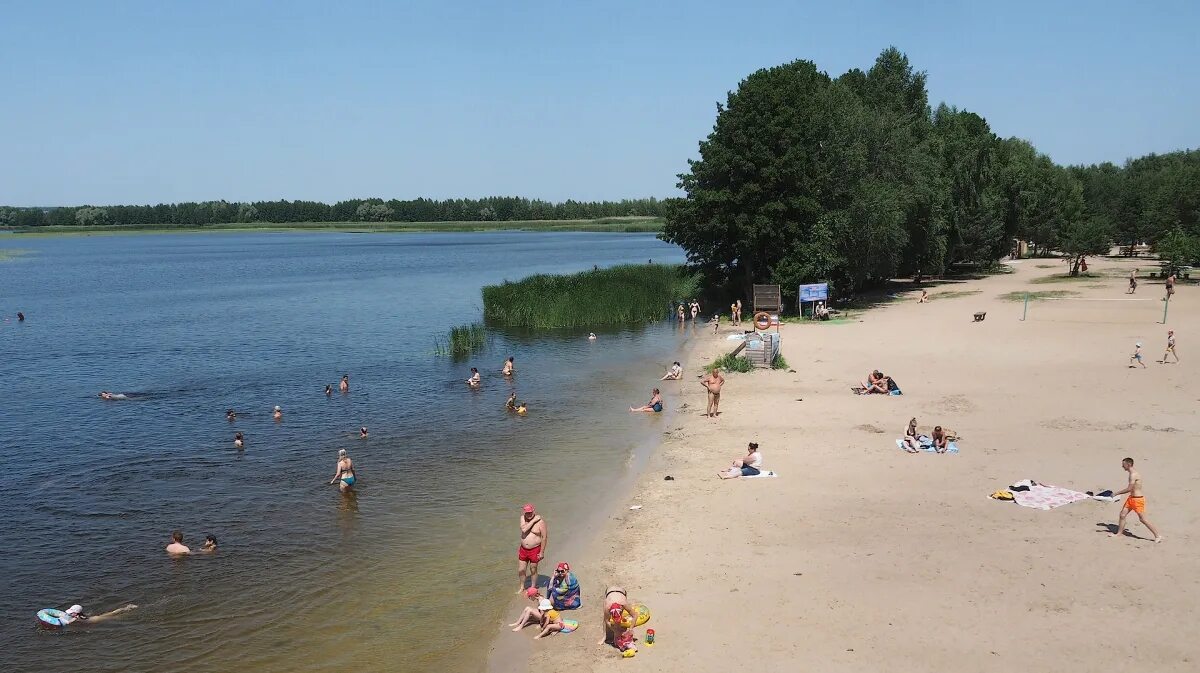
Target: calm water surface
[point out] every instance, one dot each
(409, 574)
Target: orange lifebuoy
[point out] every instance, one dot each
(762, 320)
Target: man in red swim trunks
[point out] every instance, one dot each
(534, 540)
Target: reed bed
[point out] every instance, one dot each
(619, 295)
(462, 341)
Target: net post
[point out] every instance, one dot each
(1025, 312)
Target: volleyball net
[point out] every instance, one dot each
(1114, 310)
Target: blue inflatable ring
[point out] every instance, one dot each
(52, 617)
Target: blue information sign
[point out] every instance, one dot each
(814, 292)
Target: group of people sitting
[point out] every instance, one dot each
(561, 594)
(878, 382)
(914, 441)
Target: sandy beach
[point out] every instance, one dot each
(862, 557)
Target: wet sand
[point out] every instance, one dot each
(862, 557)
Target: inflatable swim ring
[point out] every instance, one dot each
(762, 320)
(569, 625)
(640, 614)
(55, 618)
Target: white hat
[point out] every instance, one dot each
(277, 408)
(74, 610)
(544, 604)
(1139, 344)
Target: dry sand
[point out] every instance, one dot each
(860, 557)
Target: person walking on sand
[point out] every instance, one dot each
(655, 404)
(695, 310)
(1132, 282)
(344, 476)
(737, 312)
(176, 547)
(1137, 356)
(534, 541)
(712, 383)
(344, 386)
(1170, 287)
(1135, 502)
(1170, 347)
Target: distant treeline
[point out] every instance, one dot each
(489, 209)
(856, 179)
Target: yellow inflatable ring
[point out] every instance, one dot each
(640, 614)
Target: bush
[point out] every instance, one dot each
(730, 363)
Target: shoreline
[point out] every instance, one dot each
(604, 225)
(862, 557)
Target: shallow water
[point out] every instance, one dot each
(408, 574)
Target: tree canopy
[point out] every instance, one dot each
(856, 179)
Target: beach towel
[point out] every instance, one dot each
(1041, 496)
(927, 445)
(565, 595)
(760, 475)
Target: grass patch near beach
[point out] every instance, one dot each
(1035, 296)
(730, 363)
(951, 294)
(462, 341)
(1063, 278)
(619, 295)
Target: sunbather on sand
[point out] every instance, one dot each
(941, 441)
(912, 441)
(746, 466)
(876, 383)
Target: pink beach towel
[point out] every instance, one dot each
(1047, 497)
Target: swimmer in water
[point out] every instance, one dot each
(278, 415)
(344, 386)
(508, 367)
(344, 477)
(210, 543)
(20, 317)
(511, 404)
(237, 440)
(591, 336)
(230, 415)
(475, 378)
(328, 390)
(362, 432)
(105, 395)
(75, 614)
(521, 410)
(176, 547)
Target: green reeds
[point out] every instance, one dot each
(619, 295)
(730, 363)
(462, 341)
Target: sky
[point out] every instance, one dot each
(148, 102)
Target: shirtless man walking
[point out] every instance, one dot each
(1135, 502)
(713, 383)
(534, 540)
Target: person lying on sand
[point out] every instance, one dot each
(674, 374)
(654, 405)
(912, 441)
(531, 615)
(746, 466)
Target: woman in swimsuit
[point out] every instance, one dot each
(614, 599)
(238, 440)
(654, 405)
(912, 442)
(475, 378)
(345, 472)
(509, 368)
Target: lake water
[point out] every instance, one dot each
(408, 575)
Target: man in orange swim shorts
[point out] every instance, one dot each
(532, 549)
(1136, 502)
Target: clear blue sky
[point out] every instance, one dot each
(142, 102)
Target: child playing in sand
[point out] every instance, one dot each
(1170, 347)
(531, 615)
(1137, 356)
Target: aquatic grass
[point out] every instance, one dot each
(462, 341)
(730, 363)
(1034, 296)
(619, 295)
(8, 254)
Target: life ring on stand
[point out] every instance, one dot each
(762, 320)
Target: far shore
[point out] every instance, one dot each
(859, 556)
(608, 224)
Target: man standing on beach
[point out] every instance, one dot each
(534, 540)
(1135, 502)
(713, 383)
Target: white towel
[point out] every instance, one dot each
(767, 473)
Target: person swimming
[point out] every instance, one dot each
(344, 386)
(328, 390)
(509, 367)
(105, 395)
(278, 415)
(345, 472)
(362, 432)
(237, 440)
(210, 543)
(230, 415)
(475, 378)
(591, 336)
(511, 404)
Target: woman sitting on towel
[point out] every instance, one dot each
(912, 441)
(940, 441)
(748, 466)
(564, 589)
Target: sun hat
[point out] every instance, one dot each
(74, 610)
(544, 604)
(277, 408)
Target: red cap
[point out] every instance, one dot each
(531, 592)
(563, 566)
(528, 509)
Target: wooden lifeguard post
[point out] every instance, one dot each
(768, 298)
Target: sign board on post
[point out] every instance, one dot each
(814, 292)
